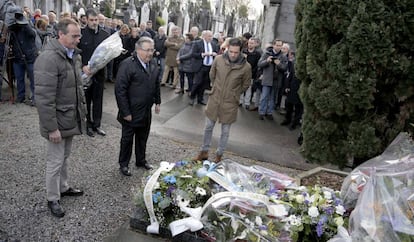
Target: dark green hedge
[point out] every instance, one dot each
(355, 60)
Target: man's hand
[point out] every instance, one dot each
(128, 118)
(86, 70)
(214, 54)
(55, 136)
(157, 108)
(277, 61)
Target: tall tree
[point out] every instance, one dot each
(355, 60)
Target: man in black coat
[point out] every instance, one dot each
(92, 36)
(293, 102)
(203, 52)
(136, 90)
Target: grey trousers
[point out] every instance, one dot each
(208, 134)
(56, 168)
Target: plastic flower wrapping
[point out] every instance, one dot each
(229, 201)
(106, 51)
(381, 194)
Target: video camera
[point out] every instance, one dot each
(11, 14)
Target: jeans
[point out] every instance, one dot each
(208, 134)
(20, 70)
(245, 98)
(162, 67)
(266, 100)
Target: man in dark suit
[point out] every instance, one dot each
(203, 52)
(92, 36)
(136, 89)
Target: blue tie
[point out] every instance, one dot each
(208, 60)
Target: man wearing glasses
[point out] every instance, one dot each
(60, 104)
(92, 36)
(137, 89)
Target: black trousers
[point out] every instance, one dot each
(94, 96)
(127, 140)
(201, 79)
(290, 108)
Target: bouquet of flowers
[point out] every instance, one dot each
(301, 214)
(106, 51)
(177, 187)
(257, 203)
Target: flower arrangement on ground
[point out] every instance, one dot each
(234, 202)
(178, 187)
(302, 214)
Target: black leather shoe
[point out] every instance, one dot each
(269, 117)
(201, 103)
(285, 122)
(72, 192)
(145, 165)
(99, 131)
(55, 208)
(89, 132)
(125, 171)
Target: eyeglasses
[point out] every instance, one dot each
(75, 36)
(148, 50)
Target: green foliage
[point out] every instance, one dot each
(160, 21)
(243, 11)
(355, 61)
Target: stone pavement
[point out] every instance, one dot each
(262, 140)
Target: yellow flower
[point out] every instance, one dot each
(339, 221)
(300, 198)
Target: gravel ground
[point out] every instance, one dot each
(107, 203)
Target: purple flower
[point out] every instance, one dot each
(329, 210)
(170, 190)
(306, 202)
(319, 229)
(262, 227)
(272, 191)
(181, 163)
(320, 225)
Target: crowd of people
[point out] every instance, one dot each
(234, 73)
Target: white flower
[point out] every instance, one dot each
(311, 199)
(186, 176)
(263, 232)
(200, 191)
(313, 212)
(327, 195)
(181, 202)
(339, 221)
(294, 221)
(340, 210)
(258, 220)
(234, 224)
(156, 186)
(300, 199)
(278, 210)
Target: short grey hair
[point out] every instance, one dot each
(143, 39)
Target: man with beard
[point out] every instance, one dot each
(230, 75)
(92, 36)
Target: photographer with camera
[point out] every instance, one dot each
(24, 51)
(273, 63)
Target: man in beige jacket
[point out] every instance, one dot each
(230, 76)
